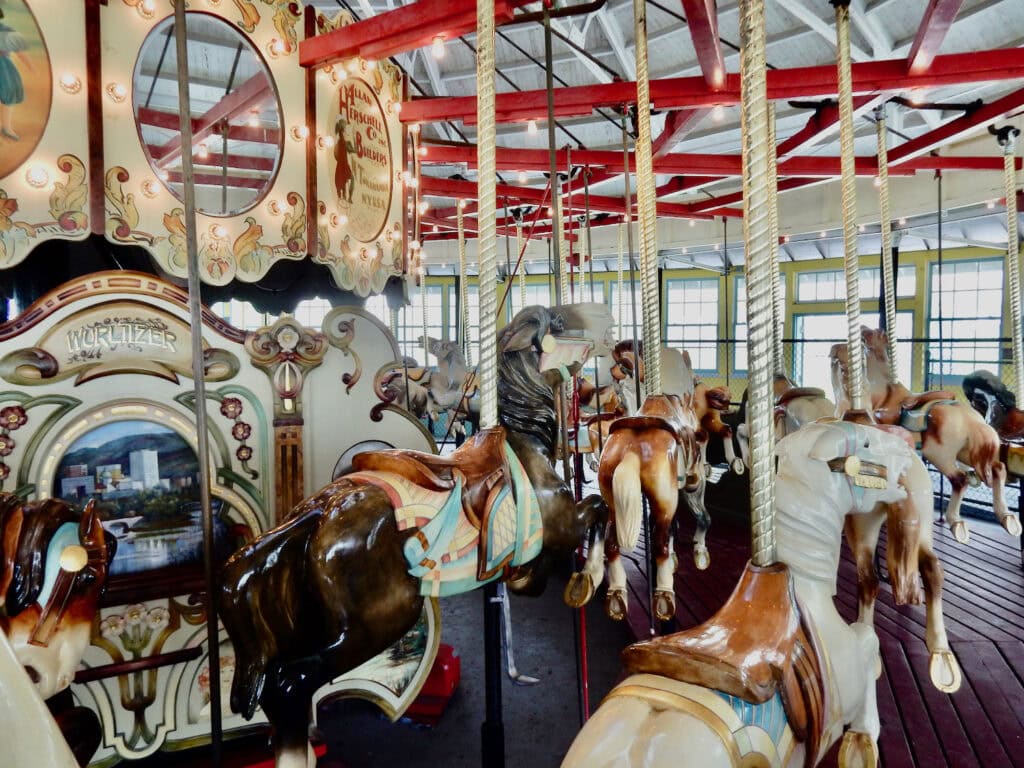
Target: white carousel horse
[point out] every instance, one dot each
(776, 675)
(952, 434)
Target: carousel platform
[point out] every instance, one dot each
(980, 725)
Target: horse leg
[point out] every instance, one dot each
(694, 500)
(664, 497)
(735, 463)
(860, 743)
(957, 481)
(862, 535)
(942, 667)
(290, 721)
(1006, 518)
(582, 585)
(616, 602)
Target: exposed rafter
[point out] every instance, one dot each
(702, 19)
(938, 18)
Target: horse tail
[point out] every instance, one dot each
(257, 600)
(628, 500)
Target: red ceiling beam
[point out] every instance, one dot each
(692, 92)
(248, 95)
(677, 124)
(702, 19)
(405, 28)
(169, 120)
(216, 180)
(238, 162)
(938, 18)
(956, 129)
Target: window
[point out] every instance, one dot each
(692, 319)
(311, 313)
(969, 301)
(536, 293)
(626, 299)
(242, 315)
(831, 285)
(817, 334)
(410, 322)
(740, 322)
(377, 306)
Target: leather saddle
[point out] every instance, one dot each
(657, 412)
(794, 392)
(755, 646)
(480, 463)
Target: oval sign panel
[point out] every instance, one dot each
(363, 175)
(25, 85)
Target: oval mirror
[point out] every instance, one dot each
(236, 116)
(25, 85)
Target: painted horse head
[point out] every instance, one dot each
(53, 568)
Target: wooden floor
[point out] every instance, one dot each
(983, 723)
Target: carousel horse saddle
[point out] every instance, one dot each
(754, 647)
(914, 411)
(657, 412)
(794, 392)
(473, 515)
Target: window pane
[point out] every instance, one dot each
(692, 319)
(965, 309)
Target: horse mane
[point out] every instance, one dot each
(988, 382)
(23, 565)
(526, 401)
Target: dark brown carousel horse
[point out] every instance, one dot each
(53, 568)
(990, 397)
(331, 587)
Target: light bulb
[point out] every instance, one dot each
(531, 127)
(522, 177)
(438, 47)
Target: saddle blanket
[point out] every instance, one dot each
(448, 552)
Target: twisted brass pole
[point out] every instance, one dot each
(487, 197)
(778, 305)
(849, 187)
(618, 288)
(463, 334)
(885, 212)
(759, 278)
(522, 267)
(647, 212)
(1013, 256)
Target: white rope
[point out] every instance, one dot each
(522, 266)
(1013, 257)
(778, 305)
(759, 278)
(618, 289)
(463, 326)
(487, 204)
(885, 212)
(646, 205)
(849, 187)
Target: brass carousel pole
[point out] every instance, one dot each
(778, 303)
(1008, 140)
(759, 278)
(885, 213)
(492, 731)
(198, 373)
(855, 344)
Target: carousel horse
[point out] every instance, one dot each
(794, 407)
(776, 675)
(344, 577)
(951, 433)
(53, 569)
(990, 397)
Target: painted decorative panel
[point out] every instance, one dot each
(360, 159)
(44, 144)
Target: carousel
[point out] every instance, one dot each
(291, 365)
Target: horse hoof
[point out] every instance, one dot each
(707, 471)
(615, 604)
(944, 670)
(664, 604)
(701, 558)
(1012, 525)
(960, 531)
(973, 480)
(737, 466)
(858, 751)
(578, 591)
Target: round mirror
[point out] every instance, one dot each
(236, 117)
(25, 85)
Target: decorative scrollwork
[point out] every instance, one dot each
(340, 330)
(286, 351)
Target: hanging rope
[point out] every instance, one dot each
(759, 278)
(618, 285)
(888, 276)
(487, 197)
(849, 187)
(423, 314)
(563, 252)
(521, 270)
(646, 207)
(778, 305)
(1009, 142)
(463, 329)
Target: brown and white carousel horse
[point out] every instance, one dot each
(794, 407)
(952, 434)
(53, 569)
(344, 577)
(777, 675)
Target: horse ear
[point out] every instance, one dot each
(686, 359)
